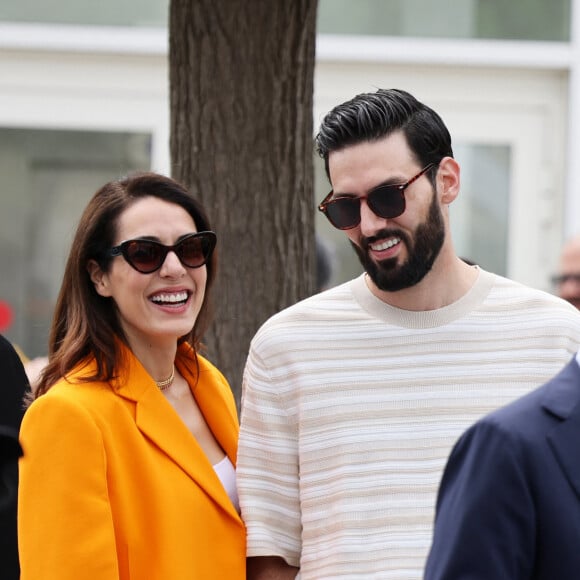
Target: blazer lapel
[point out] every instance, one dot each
(215, 400)
(563, 401)
(159, 422)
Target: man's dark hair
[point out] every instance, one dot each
(372, 116)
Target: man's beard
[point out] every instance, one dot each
(423, 250)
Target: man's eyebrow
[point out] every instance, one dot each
(387, 182)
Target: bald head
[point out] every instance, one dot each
(568, 279)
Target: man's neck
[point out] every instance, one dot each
(444, 284)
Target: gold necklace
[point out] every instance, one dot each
(164, 385)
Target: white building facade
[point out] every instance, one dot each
(85, 102)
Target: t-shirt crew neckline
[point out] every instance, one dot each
(428, 318)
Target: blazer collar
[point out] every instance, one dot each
(562, 393)
(562, 399)
(158, 421)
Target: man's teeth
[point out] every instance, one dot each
(171, 298)
(385, 245)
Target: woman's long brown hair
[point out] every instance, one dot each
(86, 324)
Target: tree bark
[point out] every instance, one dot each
(241, 96)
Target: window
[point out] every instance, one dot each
(146, 13)
(48, 176)
(491, 19)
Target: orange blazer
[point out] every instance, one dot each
(114, 486)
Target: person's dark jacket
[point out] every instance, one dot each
(13, 385)
(509, 501)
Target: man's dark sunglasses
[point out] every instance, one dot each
(147, 256)
(386, 201)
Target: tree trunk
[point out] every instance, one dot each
(241, 95)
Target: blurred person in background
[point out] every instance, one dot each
(567, 281)
(324, 267)
(32, 366)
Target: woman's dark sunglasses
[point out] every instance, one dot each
(386, 201)
(147, 256)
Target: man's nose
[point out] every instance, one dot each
(370, 222)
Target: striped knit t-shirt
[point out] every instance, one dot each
(351, 407)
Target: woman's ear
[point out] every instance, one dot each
(449, 176)
(99, 278)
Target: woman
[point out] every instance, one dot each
(130, 442)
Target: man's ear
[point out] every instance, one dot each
(99, 278)
(448, 177)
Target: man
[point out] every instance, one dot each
(353, 398)
(567, 282)
(509, 502)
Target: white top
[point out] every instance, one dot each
(350, 408)
(226, 472)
